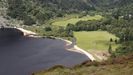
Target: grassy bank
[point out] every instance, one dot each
(115, 66)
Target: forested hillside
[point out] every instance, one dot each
(33, 11)
(39, 11)
(71, 5)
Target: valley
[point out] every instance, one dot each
(66, 37)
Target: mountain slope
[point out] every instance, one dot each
(68, 4)
(118, 66)
(39, 11)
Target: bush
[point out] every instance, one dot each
(48, 28)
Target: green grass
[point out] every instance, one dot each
(65, 22)
(94, 40)
(66, 17)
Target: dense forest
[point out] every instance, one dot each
(39, 11)
(33, 11)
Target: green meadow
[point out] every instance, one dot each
(74, 20)
(95, 40)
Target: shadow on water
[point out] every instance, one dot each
(9, 35)
(23, 55)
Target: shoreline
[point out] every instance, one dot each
(75, 48)
(90, 56)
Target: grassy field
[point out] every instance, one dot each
(94, 40)
(65, 22)
(66, 17)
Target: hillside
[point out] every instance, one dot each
(118, 66)
(71, 5)
(37, 12)
(40, 11)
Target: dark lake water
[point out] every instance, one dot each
(24, 55)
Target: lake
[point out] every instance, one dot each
(24, 55)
